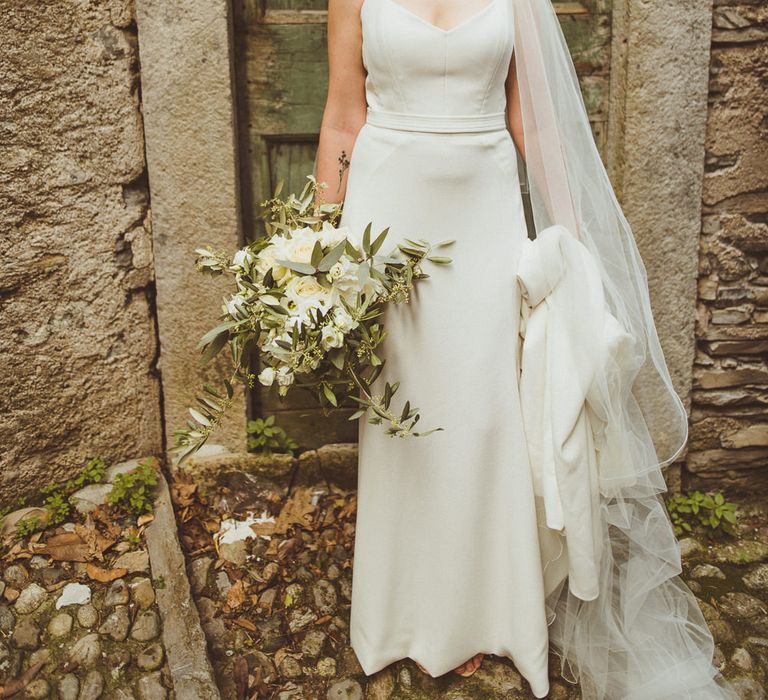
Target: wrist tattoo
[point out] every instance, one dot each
(343, 165)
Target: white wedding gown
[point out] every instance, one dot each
(452, 552)
(447, 560)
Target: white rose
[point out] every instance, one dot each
(347, 283)
(265, 260)
(332, 337)
(277, 250)
(305, 287)
(336, 271)
(304, 293)
(343, 321)
(285, 376)
(301, 244)
(272, 348)
(331, 236)
(242, 259)
(235, 306)
(267, 376)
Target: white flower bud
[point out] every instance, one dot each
(267, 376)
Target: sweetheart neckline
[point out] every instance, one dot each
(429, 24)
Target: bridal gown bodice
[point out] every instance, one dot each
(416, 67)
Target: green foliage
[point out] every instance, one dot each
(92, 473)
(266, 437)
(56, 501)
(3, 512)
(27, 526)
(133, 538)
(57, 507)
(207, 417)
(294, 211)
(709, 511)
(134, 491)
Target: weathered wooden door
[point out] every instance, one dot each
(281, 75)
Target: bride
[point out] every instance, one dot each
(533, 521)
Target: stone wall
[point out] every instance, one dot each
(655, 158)
(729, 418)
(77, 281)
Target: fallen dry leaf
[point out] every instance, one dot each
(144, 519)
(14, 552)
(264, 528)
(68, 546)
(236, 594)
(97, 543)
(348, 508)
(104, 575)
(108, 525)
(280, 654)
(297, 510)
(270, 571)
(246, 624)
(256, 680)
(211, 525)
(183, 493)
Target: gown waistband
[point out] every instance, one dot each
(441, 123)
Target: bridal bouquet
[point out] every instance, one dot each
(306, 299)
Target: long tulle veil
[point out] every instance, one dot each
(644, 637)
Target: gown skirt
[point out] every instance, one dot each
(447, 557)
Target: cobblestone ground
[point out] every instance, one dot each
(78, 614)
(275, 605)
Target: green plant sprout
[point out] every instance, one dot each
(265, 437)
(708, 510)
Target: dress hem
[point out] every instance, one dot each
(370, 668)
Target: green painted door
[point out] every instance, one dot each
(281, 77)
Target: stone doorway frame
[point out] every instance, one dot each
(656, 129)
(188, 101)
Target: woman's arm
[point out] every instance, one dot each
(514, 113)
(345, 106)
